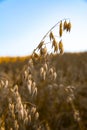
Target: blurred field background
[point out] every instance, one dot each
(51, 100)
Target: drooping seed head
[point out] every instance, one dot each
(60, 29)
(40, 45)
(69, 26)
(54, 42)
(61, 47)
(65, 25)
(43, 51)
(51, 36)
(56, 47)
(60, 32)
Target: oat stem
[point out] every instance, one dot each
(52, 28)
(50, 31)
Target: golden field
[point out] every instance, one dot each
(60, 103)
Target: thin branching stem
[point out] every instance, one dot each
(50, 31)
(53, 28)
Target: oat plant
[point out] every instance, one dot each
(25, 106)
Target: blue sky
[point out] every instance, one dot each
(23, 23)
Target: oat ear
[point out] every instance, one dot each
(69, 26)
(61, 49)
(40, 45)
(62, 26)
(51, 36)
(53, 42)
(65, 25)
(60, 29)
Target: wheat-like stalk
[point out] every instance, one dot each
(63, 25)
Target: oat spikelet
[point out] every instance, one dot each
(35, 55)
(51, 36)
(60, 29)
(65, 25)
(60, 24)
(60, 32)
(60, 44)
(61, 49)
(43, 51)
(56, 47)
(54, 43)
(40, 45)
(69, 26)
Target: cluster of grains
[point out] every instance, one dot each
(70, 99)
(28, 79)
(67, 26)
(64, 26)
(55, 43)
(4, 87)
(3, 83)
(47, 72)
(19, 115)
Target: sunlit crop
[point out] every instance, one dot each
(39, 96)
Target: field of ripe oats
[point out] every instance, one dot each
(44, 91)
(29, 102)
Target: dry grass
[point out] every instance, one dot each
(51, 99)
